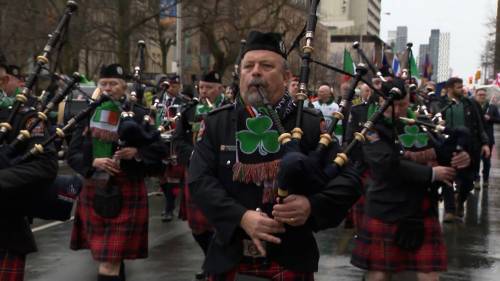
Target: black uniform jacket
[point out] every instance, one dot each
(224, 201)
(23, 181)
(398, 185)
(80, 156)
(183, 134)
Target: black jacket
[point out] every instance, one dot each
(183, 134)
(398, 185)
(22, 181)
(80, 153)
(224, 201)
(492, 111)
(474, 121)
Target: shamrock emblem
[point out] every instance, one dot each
(413, 137)
(202, 109)
(258, 136)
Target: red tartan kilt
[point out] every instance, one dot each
(275, 272)
(173, 172)
(111, 240)
(11, 266)
(376, 251)
(358, 212)
(195, 217)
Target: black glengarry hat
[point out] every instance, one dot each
(395, 83)
(112, 71)
(15, 71)
(174, 79)
(211, 77)
(269, 41)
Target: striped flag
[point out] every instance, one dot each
(396, 66)
(349, 65)
(106, 120)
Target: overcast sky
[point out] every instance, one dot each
(464, 19)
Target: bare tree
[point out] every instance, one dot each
(221, 24)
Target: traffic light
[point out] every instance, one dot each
(477, 76)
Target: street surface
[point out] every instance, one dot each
(473, 247)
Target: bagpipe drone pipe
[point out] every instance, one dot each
(53, 201)
(314, 170)
(25, 96)
(298, 170)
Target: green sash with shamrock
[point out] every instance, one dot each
(104, 128)
(414, 141)
(258, 149)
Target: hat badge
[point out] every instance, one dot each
(119, 70)
(216, 75)
(282, 47)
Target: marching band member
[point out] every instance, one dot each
(186, 134)
(17, 182)
(112, 213)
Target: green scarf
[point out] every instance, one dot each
(104, 127)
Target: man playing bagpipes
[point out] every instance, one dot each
(400, 230)
(188, 126)
(17, 183)
(171, 101)
(233, 178)
(114, 154)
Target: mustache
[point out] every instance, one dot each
(257, 82)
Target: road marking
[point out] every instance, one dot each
(56, 223)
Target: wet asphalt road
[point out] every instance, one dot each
(473, 247)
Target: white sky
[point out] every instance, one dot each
(465, 20)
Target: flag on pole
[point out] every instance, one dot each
(413, 67)
(384, 61)
(427, 67)
(348, 64)
(396, 66)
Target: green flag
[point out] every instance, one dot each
(413, 67)
(348, 64)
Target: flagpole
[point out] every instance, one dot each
(178, 39)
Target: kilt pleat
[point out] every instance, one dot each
(11, 266)
(197, 221)
(273, 272)
(375, 249)
(113, 239)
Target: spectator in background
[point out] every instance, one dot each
(491, 117)
(293, 87)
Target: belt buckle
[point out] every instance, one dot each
(250, 249)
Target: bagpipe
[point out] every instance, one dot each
(136, 126)
(41, 60)
(55, 200)
(298, 170)
(446, 141)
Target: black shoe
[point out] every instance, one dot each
(167, 216)
(200, 275)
